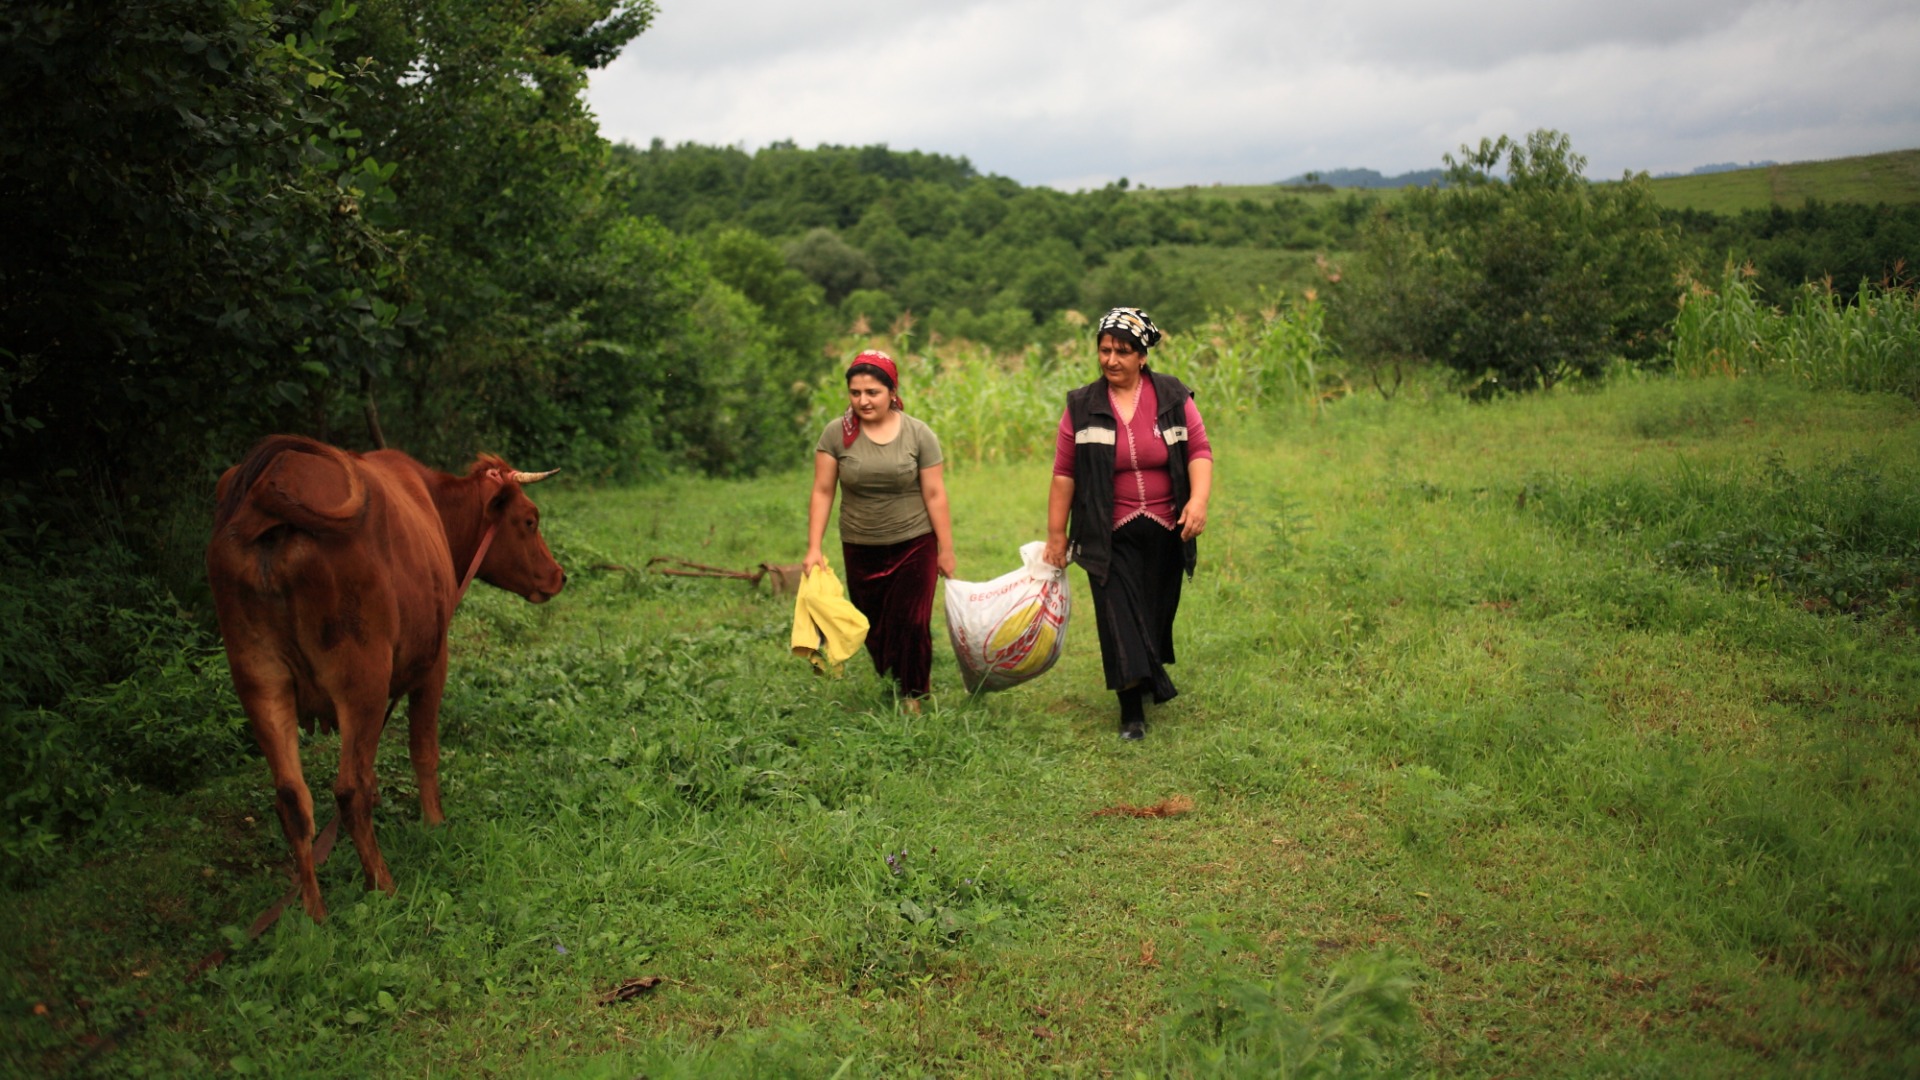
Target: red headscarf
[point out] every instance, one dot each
(849, 423)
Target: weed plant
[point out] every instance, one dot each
(1485, 780)
(1834, 536)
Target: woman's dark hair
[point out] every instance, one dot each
(1121, 334)
(869, 369)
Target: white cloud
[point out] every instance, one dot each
(1074, 94)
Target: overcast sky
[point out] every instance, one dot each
(1077, 94)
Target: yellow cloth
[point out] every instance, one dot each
(827, 628)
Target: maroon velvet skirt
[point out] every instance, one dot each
(892, 585)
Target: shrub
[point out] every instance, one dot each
(105, 684)
(1515, 282)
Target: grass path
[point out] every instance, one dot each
(1480, 784)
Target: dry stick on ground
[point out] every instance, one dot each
(631, 988)
(784, 578)
(1168, 807)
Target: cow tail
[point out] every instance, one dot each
(287, 479)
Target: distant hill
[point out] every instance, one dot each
(1892, 177)
(1366, 178)
(1728, 166)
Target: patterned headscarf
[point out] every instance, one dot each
(849, 423)
(1130, 323)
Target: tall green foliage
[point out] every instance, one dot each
(989, 405)
(1839, 243)
(198, 241)
(1871, 344)
(1518, 280)
(227, 218)
(503, 182)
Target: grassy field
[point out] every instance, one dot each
(1873, 178)
(1892, 177)
(1509, 753)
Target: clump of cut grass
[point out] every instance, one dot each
(1239, 1017)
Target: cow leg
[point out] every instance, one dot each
(423, 738)
(276, 729)
(355, 787)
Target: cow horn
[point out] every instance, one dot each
(519, 477)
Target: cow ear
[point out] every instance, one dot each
(498, 494)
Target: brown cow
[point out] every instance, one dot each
(334, 576)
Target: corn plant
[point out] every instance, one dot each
(988, 405)
(1872, 344)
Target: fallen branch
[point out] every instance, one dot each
(1168, 807)
(782, 577)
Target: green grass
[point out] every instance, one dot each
(1892, 177)
(1487, 780)
(1245, 279)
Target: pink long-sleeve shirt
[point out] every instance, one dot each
(1141, 484)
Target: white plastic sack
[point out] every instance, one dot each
(1010, 629)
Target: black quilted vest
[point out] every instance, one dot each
(1090, 412)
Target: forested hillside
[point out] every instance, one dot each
(884, 232)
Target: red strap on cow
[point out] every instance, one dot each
(322, 847)
(479, 555)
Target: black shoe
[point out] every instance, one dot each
(1132, 730)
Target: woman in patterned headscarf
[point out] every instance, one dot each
(1132, 474)
(896, 534)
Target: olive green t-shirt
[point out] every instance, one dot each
(880, 485)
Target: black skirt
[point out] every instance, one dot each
(1134, 609)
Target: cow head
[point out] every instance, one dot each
(518, 561)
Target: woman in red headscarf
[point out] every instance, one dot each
(895, 532)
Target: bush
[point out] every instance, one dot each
(105, 684)
(1838, 242)
(1515, 282)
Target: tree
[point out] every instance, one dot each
(789, 304)
(504, 183)
(195, 237)
(836, 266)
(1515, 281)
